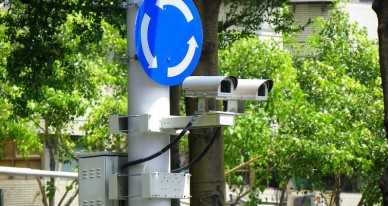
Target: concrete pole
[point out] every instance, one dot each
(144, 97)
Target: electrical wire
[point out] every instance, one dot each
(202, 154)
(167, 147)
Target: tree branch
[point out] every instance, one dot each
(239, 197)
(67, 192)
(243, 14)
(42, 191)
(71, 199)
(242, 165)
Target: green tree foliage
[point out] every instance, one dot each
(354, 97)
(41, 55)
(58, 56)
(252, 58)
(51, 57)
(113, 95)
(327, 108)
(13, 126)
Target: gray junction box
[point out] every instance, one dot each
(93, 176)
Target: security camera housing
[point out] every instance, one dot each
(253, 89)
(219, 87)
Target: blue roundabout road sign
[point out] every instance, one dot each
(168, 38)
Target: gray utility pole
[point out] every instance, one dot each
(144, 97)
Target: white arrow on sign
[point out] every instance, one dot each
(151, 60)
(178, 4)
(182, 66)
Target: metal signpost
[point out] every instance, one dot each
(168, 36)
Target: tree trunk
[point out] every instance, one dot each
(361, 202)
(337, 189)
(175, 96)
(208, 179)
(381, 9)
(283, 194)
(42, 191)
(384, 187)
(50, 186)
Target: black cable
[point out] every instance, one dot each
(202, 154)
(167, 147)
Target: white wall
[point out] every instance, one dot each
(27, 193)
(364, 15)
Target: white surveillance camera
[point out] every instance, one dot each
(253, 89)
(219, 87)
(247, 89)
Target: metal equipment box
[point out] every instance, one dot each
(93, 176)
(165, 185)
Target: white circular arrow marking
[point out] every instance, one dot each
(178, 4)
(151, 60)
(182, 66)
